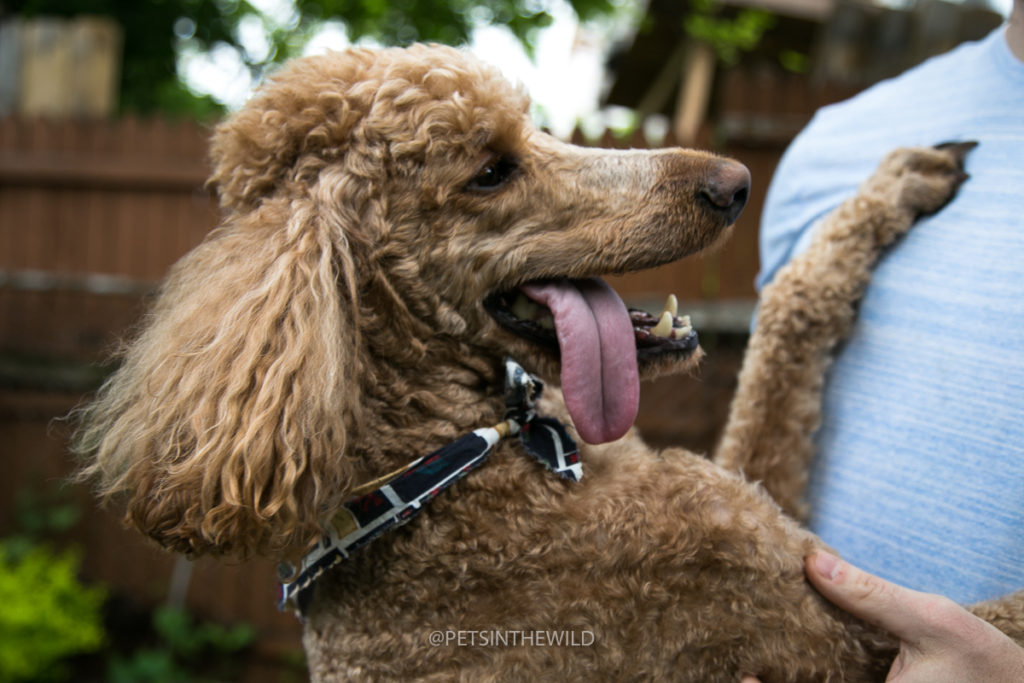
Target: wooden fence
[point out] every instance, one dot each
(92, 214)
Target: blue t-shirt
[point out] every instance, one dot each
(920, 472)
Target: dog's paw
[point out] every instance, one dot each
(921, 180)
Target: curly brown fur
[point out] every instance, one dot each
(334, 327)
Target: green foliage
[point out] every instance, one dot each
(796, 62)
(183, 635)
(185, 649)
(729, 37)
(156, 32)
(39, 514)
(400, 22)
(149, 69)
(176, 99)
(46, 613)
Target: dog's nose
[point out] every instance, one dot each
(727, 188)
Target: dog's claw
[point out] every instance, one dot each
(959, 150)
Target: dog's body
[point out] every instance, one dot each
(384, 210)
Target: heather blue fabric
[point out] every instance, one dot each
(920, 476)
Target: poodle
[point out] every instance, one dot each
(394, 231)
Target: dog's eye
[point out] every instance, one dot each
(495, 174)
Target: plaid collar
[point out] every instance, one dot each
(396, 498)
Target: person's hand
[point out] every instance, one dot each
(939, 640)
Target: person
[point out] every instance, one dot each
(919, 478)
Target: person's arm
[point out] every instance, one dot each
(939, 640)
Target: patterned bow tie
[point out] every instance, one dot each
(396, 498)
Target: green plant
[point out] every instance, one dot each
(186, 650)
(794, 61)
(44, 512)
(728, 36)
(157, 33)
(46, 613)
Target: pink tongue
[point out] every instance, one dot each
(600, 381)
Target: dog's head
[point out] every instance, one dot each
(379, 206)
(477, 218)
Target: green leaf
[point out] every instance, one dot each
(46, 613)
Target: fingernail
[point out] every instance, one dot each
(827, 564)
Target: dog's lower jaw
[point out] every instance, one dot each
(665, 365)
(545, 362)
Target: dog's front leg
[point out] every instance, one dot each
(810, 306)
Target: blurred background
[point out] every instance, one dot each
(105, 111)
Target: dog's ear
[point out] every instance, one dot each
(305, 111)
(224, 429)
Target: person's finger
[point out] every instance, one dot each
(750, 679)
(907, 614)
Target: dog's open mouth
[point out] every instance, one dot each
(600, 343)
(655, 334)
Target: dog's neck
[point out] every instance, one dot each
(412, 409)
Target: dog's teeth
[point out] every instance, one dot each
(664, 326)
(683, 331)
(524, 308)
(684, 327)
(671, 306)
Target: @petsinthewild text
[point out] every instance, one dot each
(512, 638)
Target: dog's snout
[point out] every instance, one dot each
(727, 188)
